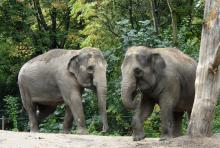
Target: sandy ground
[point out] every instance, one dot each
(10, 139)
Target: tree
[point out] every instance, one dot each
(207, 75)
(154, 13)
(174, 20)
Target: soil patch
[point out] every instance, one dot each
(9, 139)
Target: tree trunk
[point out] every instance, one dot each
(53, 16)
(131, 14)
(154, 15)
(67, 26)
(190, 13)
(174, 21)
(207, 75)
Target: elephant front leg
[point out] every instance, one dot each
(103, 113)
(144, 109)
(167, 124)
(167, 119)
(76, 107)
(104, 121)
(68, 120)
(178, 116)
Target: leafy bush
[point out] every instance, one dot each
(144, 35)
(187, 43)
(152, 124)
(216, 121)
(54, 122)
(11, 105)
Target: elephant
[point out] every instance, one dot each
(163, 76)
(60, 76)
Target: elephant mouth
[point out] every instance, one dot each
(89, 85)
(92, 87)
(146, 88)
(142, 85)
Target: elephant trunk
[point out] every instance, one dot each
(127, 90)
(101, 91)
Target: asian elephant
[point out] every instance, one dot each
(60, 76)
(163, 76)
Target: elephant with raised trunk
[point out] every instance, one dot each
(60, 76)
(163, 76)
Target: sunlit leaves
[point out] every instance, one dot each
(22, 51)
(11, 104)
(82, 11)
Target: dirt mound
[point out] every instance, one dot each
(10, 139)
(185, 142)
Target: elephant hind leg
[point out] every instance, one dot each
(177, 124)
(30, 108)
(33, 119)
(44, 111)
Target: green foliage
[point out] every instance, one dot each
(189, 40)
(185, 123)
(51, 124)
(216, 121)
(82, 10)
(144, 35)
(11, 105)
(93, 119)
(54, 122)
(152, 124)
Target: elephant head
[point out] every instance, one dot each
(89, 68)
(141, 69)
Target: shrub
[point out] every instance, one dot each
(11, 105)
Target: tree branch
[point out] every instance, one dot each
(67, 25)
(40, 14)
(174, 21)
(53, 16)
(107, 24)
(154, 15)
(215, 62)
(130, 10)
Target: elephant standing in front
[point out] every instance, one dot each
(164, 76)
(60, 76)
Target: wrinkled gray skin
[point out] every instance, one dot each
(164, 76)
(60, 76)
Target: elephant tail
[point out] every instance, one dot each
(25, 97)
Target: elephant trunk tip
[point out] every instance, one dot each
(129, 105)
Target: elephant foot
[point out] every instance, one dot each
(65, 131)
(33, 127)
(165, 137)
(82, 131)
(138, 136)
(34, 130)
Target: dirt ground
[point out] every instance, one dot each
(10, 139)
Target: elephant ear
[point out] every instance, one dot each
(157, 63)
(73, 65)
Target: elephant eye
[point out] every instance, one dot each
(141, 59)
